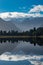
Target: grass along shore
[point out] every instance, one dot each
(21, 36)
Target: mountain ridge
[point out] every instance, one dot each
(7, 26)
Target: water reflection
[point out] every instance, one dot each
(38, 41)
(22, 46)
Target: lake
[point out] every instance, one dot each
(21, 52)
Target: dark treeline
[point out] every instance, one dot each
(31, 32)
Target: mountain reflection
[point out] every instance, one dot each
(38, 41)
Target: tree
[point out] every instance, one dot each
(1, 33)
(34, 31)
(4, 33)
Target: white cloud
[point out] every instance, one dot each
(34, 12)
(9, 15)
(13, 15)
(36, 9)
(22, 8)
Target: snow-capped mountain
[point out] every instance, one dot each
(7, 26)
(23, 21)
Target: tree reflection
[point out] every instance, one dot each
(38, 41)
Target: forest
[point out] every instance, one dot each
(31, 32)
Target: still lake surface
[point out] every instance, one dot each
(21, 53)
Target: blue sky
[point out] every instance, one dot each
(18, 5)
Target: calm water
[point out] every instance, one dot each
(21, 53)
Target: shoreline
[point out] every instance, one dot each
(21, 36)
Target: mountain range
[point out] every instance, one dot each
(21, 24)
(7, 26)
(28, 23)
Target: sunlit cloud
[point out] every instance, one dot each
(36, 9)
